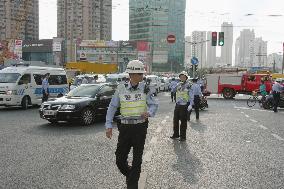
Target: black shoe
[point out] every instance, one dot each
(174, 137)
(182, 139)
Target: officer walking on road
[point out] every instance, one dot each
(196, 94)
(180, 112)
(276, 91)
(136, 104)
(173, 86)
(45, 88)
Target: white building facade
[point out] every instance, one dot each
(226, 50)
(244, 48)
(199, 47)
(188, 51)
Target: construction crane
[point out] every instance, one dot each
(20, 24)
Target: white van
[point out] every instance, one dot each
(22, 85)
(119, 78)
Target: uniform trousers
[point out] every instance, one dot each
(180, 114)
(276, 99)
(196, 101)
(173, 96)
(44, 96)
(131, 135)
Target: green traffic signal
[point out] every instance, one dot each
(221, 39)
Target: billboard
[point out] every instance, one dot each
(98, 44)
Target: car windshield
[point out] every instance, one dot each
(9, 77)
(84, 91)
(111, 79)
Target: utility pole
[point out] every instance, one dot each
(283, 59)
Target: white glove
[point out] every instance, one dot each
(189, 108)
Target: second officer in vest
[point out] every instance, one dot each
(136, 104)
(180, 112)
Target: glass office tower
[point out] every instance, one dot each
(153, 21)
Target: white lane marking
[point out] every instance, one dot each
(263, 127)
(253, 120)
(167, 117)
(148, 156)
(142, 180)
(238, 109)
(242, 112)
(164, 121)
(277, 137)
(247, 115)
(154, 140)
(159, 129)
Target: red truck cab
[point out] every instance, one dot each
(248, 83)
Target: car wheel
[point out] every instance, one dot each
(87, 116)
(25, 103)
(53, 121)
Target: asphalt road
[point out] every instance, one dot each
(232, 146)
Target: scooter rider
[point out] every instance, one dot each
(136, 105)
(180, 112)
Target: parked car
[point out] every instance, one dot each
(155, 83)
(90, 77)
(165, 84)
(84, 103)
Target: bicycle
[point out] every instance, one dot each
(254, 99)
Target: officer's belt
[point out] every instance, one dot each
(132, 121)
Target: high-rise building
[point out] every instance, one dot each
(274, 60)
(244, 48)
(187, 51)
(84, 19)
(19, 19)
(153, 21)
(211, 52)
(260, 52)
(199, 47)
(226, 50)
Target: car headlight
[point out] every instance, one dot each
(67, 107)
(11, 92)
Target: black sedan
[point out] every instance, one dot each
(84, 103)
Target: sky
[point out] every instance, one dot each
(201, 15)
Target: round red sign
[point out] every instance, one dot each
(171, 38)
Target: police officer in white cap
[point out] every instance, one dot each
(136, 105)
(180, 112)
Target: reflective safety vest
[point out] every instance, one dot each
(182, 93)
(132, 103)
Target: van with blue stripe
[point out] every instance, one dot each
(21, 85)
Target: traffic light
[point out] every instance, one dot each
(214, 38)
(221, 39)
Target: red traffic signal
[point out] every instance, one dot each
(214, 38)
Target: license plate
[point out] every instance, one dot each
(49, 112)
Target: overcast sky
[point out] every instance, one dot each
(203, 15)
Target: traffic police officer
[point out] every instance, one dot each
(136, 104)
(180, 112)
(196, 94)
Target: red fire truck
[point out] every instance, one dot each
(229, 86)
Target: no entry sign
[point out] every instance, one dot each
(171, 38)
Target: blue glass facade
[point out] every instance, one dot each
(153, 21)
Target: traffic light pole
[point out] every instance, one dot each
(194, 55)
